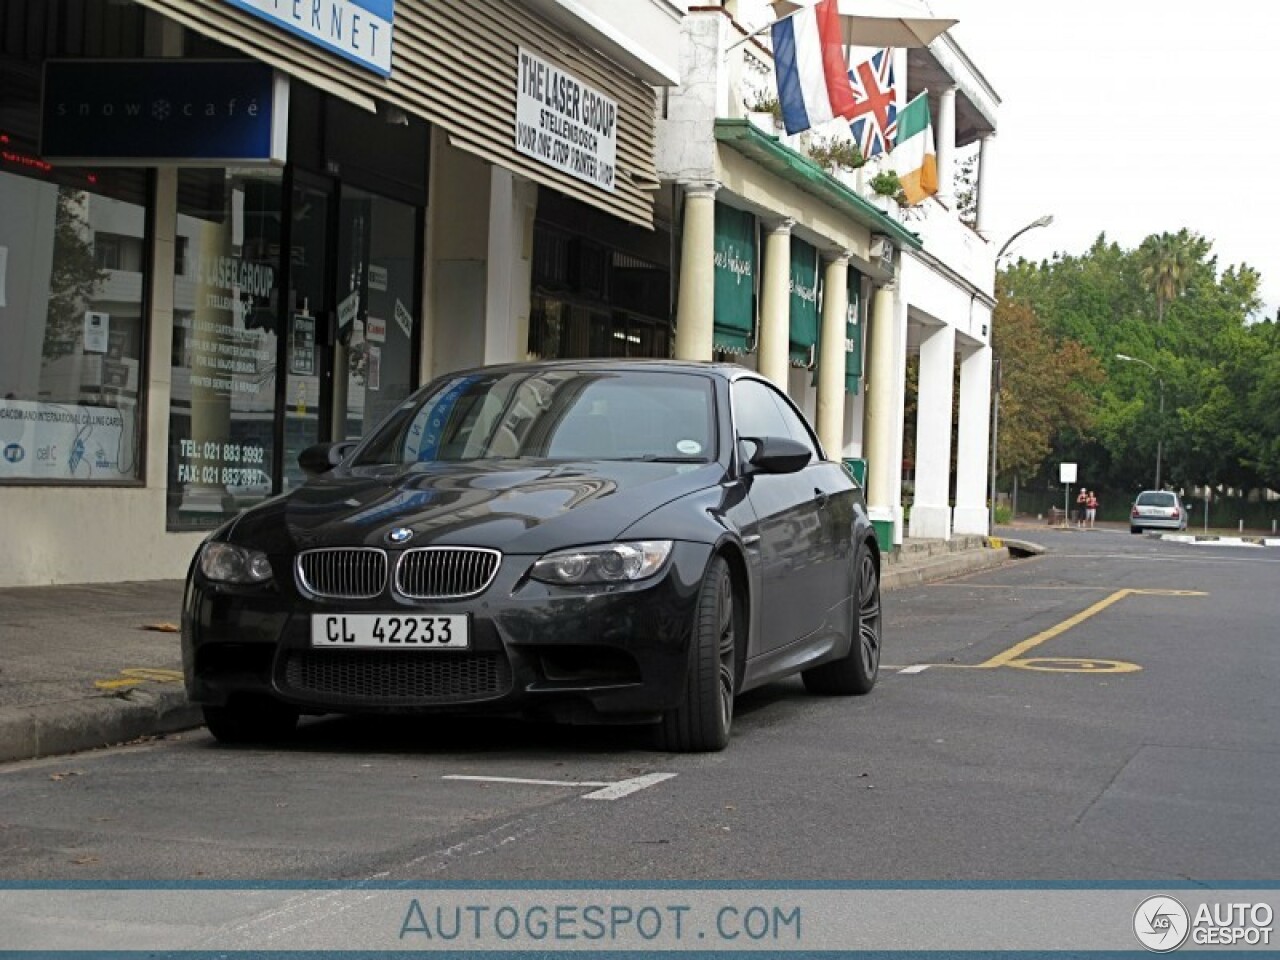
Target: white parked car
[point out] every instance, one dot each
(1157, 510)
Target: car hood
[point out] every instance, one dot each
(514, 506)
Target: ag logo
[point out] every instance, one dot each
(14, 453)
(1161, 923)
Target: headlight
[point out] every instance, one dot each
(228, 563)
(610, 563)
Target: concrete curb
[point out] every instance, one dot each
(1017, 548)
(1213, 539)
(68, 726)
(943, 567)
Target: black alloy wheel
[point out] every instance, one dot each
(702, 720)
(857, 671)
(255, 719)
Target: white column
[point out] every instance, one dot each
(980, 192)
(972, 450)
(696, 302)
(509, 267)
(931, 509)
(946, 146)
(897, 437)
(831, 355)
(773, 353)
(881, 382)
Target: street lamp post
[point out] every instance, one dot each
(995, 432)
(995, 397)
(1160, 433)
(1038, 222)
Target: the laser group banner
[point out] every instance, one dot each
(554, 919)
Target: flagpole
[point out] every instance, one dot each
(759, 30)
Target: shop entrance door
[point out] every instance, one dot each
(353, 307)
(310, 306)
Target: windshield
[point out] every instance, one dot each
(1153, 498)
(553, 414)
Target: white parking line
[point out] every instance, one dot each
(605, 789)
(535, 783)
(915, 668)
(624, 788)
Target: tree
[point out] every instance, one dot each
(1218, 369)
(1166, 263)
(1047, 386)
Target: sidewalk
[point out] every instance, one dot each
(97, 664)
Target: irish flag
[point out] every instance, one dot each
(813, 79)
(914, 157)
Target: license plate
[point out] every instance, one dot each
(391, 631)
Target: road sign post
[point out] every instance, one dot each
(1066, 476)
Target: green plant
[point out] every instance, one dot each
(762, 101)
(886, 184)
(833, 154)
(1004, 515)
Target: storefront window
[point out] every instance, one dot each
(72, 281)
(225, 305)
(592, 301)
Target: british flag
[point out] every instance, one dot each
(874, 123)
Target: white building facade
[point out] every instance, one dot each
(892, 283)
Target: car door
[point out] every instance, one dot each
(794, 537)
(835, 498)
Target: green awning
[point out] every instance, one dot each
(743, 137)
(804, 301)
(735, 280)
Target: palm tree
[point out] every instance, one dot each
(1167, 261)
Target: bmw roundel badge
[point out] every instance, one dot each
(400, 535)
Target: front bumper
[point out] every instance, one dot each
(600, 653)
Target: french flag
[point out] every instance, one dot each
(813, 79)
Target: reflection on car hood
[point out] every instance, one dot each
(521, 506)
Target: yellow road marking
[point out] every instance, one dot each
(1013, 657)
(1018, 649)
(1073, 665)
(1074, 588)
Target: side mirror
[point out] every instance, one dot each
(778, 455)
(320, 458)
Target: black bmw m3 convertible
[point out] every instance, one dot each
(587, 541)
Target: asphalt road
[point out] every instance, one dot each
(1108, 711)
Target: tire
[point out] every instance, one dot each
(701, 722)
(857, 671)
(251, 720)
(1133, 529)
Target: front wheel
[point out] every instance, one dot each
(701, 722)
(856, 672)
(251, 720)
